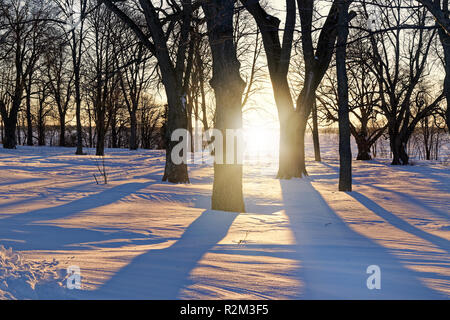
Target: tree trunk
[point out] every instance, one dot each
(445, 42)
(114, 133)
(177, 119)
(100, 129)
(228, 88)
(100, 147)
(133, 131)
(41, 134)
(345, 153)
(363, 146)
(288, 145)
(398, 148)
(304, 109)
(79, 150)
(315, 134)
(62, 131)
(29, 120)
(9, 141)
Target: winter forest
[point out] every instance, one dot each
(224, 149)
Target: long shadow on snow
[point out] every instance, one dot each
(334, 258)
(405, 196)
(399, 223)
(21, 230)
(162, 273)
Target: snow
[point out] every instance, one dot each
(21, 279)
(140, 238)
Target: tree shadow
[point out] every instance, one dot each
(399, 223)
(163, 273)
(21, 230)
(334, 258)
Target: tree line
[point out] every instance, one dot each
(369, 66)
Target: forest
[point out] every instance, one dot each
(342, 108)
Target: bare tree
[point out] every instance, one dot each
(104, 76)
(73, 14)
(345, 153)
(60, 76)
(278, 54)
(24, 23)
(156, 38)
(228, 88)
(366, 124)
(399, 61)
(133, 76)
(440, 9)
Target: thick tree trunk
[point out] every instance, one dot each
(9, 141)
(41, 134)
(398, 148)
(364, 146)
(177, 119)
(287, 168)
(288, 151)
(10, 119)
(100, 148)
(445, 42)
(345, 153)
(228, 88)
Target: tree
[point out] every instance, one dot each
(228, 88)
(60, 78)
(399, 61)
(366, 124)
(345, 153)
(440, 13)
(443, 21)
(104, 76)
(73, 13)
(316, 63)
(132, 61)
(278, 54)
(24, 23)
(172, 72)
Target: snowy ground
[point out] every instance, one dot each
(140, 238)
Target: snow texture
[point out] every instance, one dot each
(140, 238)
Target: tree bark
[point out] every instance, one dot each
(315, 133)
(177, 119)
(345, 153)
(445, 42)
(171, 74)
(133, 131)
(228, 88)
(29, 118)
(363, 147)
(9, 141)
(100, 147)
(62, 130)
